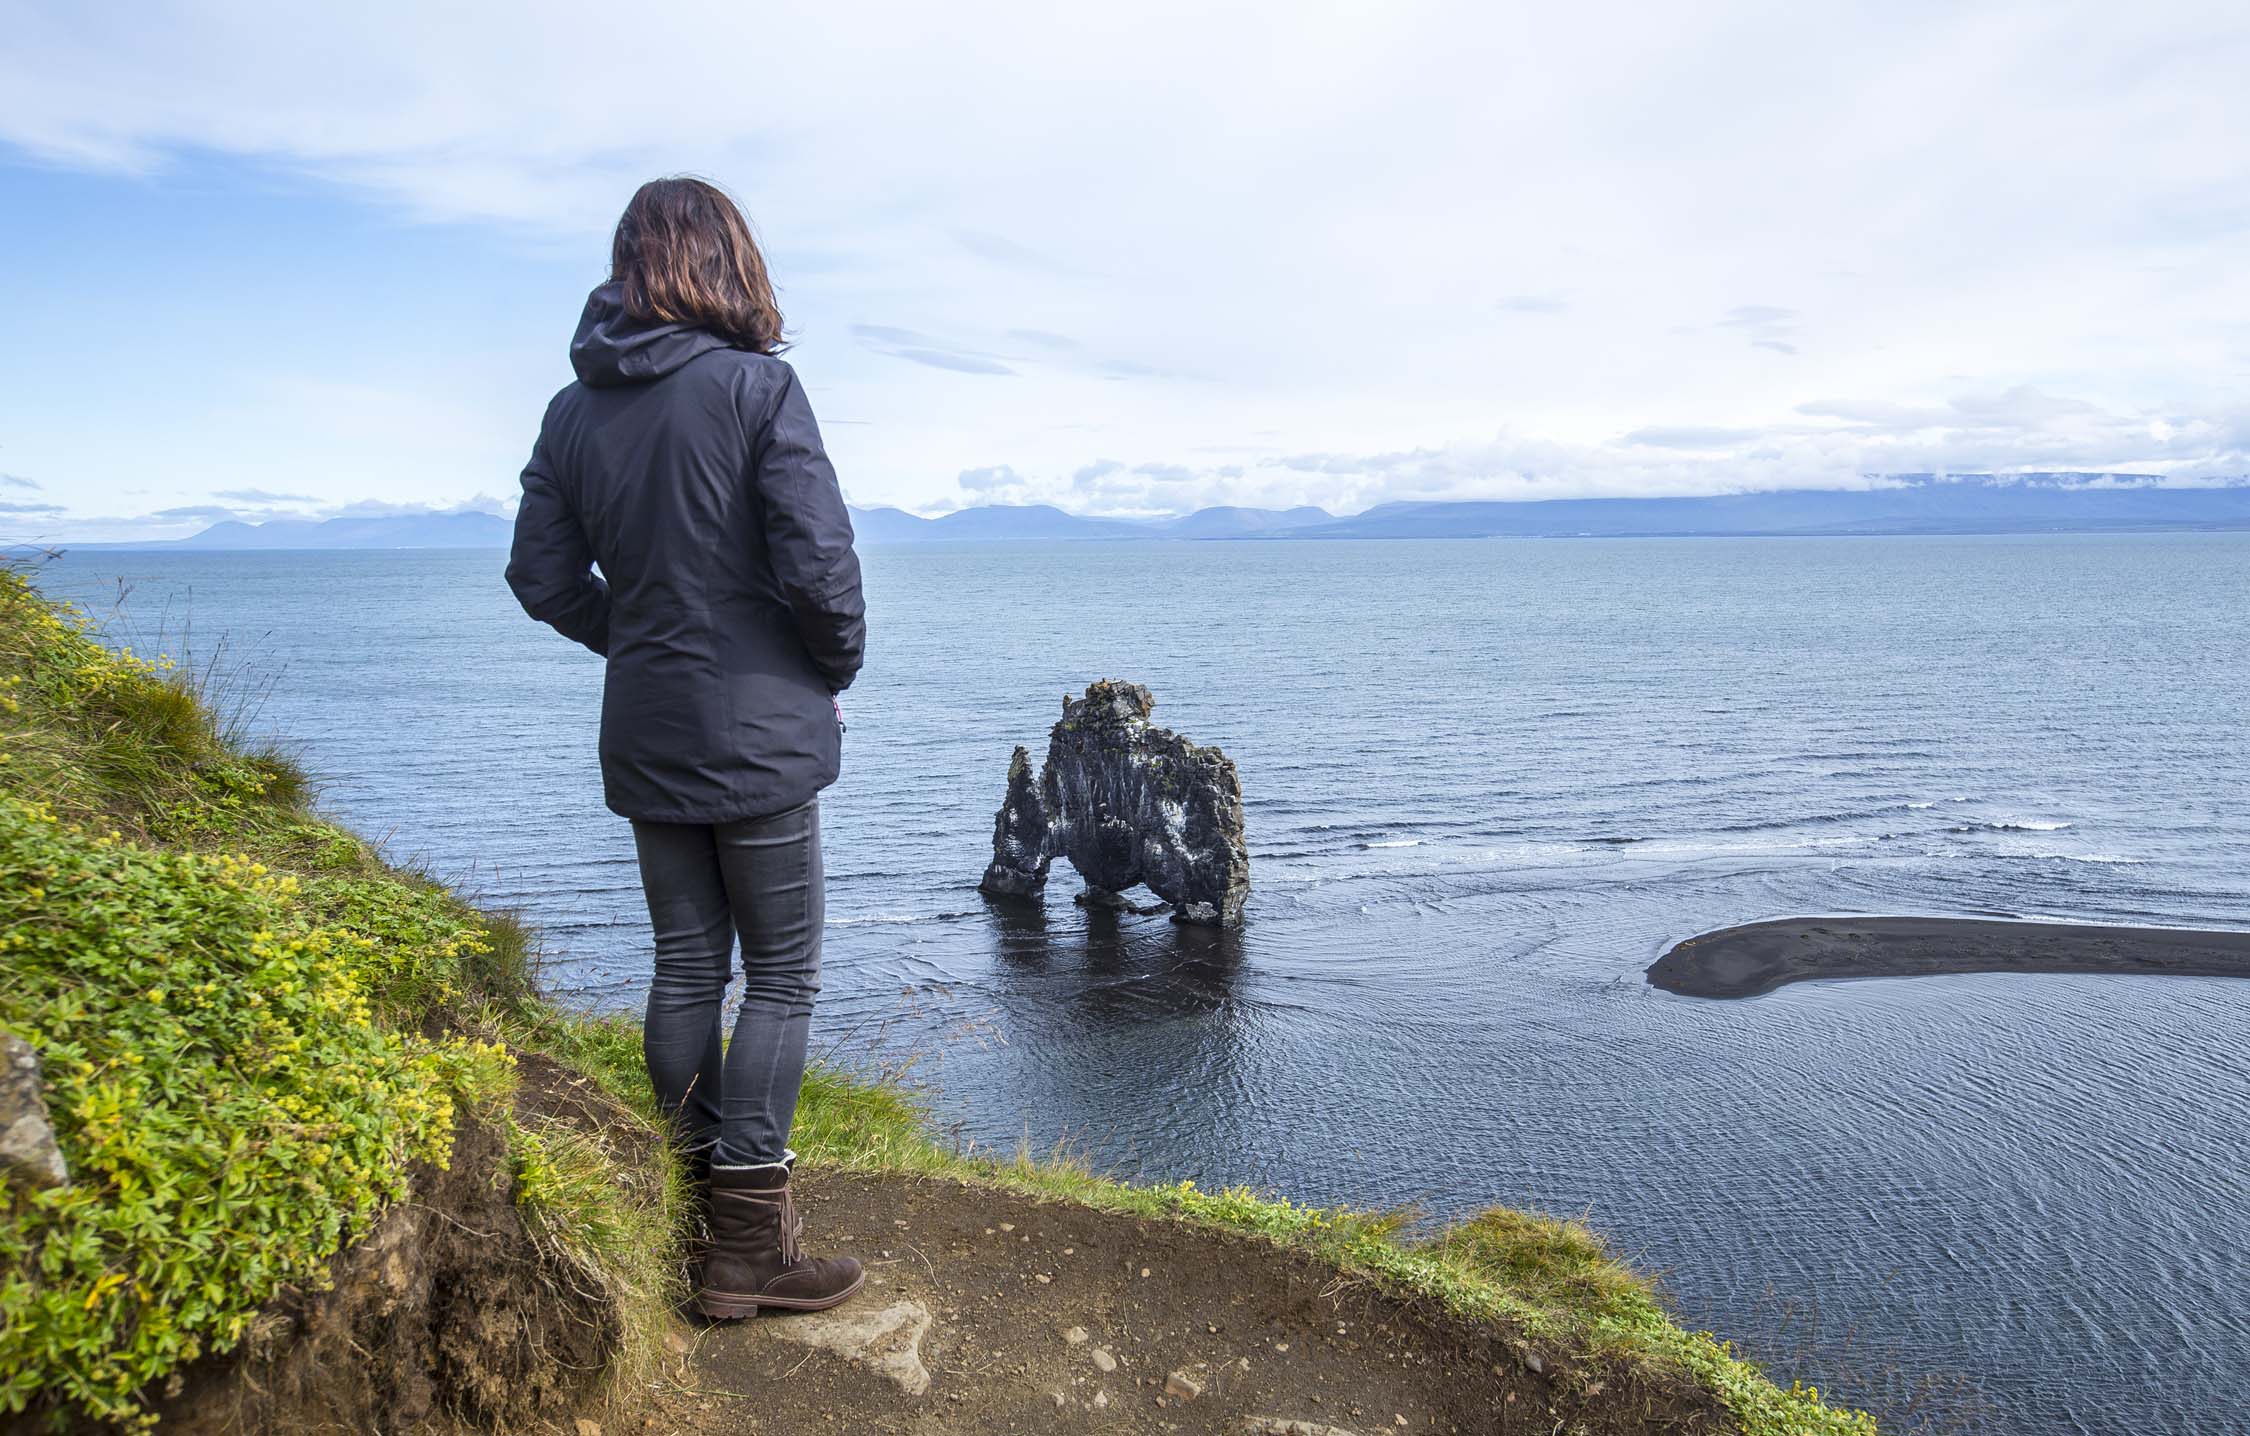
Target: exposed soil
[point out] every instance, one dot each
(448, 1316)
(548, 1091)
(1011, 1284)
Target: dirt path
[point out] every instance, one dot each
(1041, 1317)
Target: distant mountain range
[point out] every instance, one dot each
(1907, 504)
(1042, 521)
(463, 530)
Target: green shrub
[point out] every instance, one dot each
(232, 1110)
(234, 1001)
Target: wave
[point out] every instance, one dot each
(1749, 849)
(1394, 843)
(890, 919)
(1808, 820)
(2027, 826)
(2051, 855)
(1818, 820)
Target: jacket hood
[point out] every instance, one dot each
(611, 347)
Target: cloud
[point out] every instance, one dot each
(886, 334)
(180, 514)
(1758, 316)
(963, 177)
(11, 507)
(2020, 408)
(1874, 413)
(1833, 444)
(993, 479)
(214, 513)
(1688, 437)
(262, 496)
(1168, 473)
(1051, 350)
(385, 508)
(1132, 369)
(1001, 250)
(1829, 443)
(1143, 490)
(1769, 326)
(959, 363)
(17, 481)
(919, 348)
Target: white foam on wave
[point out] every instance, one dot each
(1396, 843)
(1749, 848)
(2013, 825)
(889, 919)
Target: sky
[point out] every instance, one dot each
(287, 260)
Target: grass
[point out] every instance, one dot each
(253, 1027)
(1552, 1280)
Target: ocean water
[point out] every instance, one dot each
(1486, 784)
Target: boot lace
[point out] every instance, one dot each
(791, 1226)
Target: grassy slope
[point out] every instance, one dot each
(251, 1028)
(164, 892)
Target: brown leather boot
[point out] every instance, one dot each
(754, 1261)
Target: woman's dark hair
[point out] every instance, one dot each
(686, 255)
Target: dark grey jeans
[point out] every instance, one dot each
(759, 879)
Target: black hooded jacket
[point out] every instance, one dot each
(728, 602)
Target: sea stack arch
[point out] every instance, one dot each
(1126, 802)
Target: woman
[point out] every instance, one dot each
(685, 464)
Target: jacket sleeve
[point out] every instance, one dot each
(551, 567)
(809, 535)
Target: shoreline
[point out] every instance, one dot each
(1756, 958)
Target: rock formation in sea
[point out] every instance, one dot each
(1127, 802)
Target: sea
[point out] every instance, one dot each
(1486, 784)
